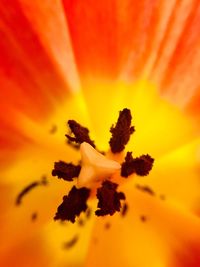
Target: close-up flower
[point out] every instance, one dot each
(99, 133)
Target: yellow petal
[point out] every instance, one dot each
(132, 242)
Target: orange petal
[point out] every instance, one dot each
(93, 27)
(186, 256)
(28, 253)
(177, 65)
(176, 176)
(104, 34)
(159, 40)
(193, 108)
(37, 64)
(18, 130)
(30, 163)
(57, 234)
(132, 242)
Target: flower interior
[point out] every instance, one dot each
(99, 173)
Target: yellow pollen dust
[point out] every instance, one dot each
(95, 166)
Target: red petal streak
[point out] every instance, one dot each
(36, 63)
(193, 107)
(189, 256)
(178, 62)
(54, 36)
(140, 22)
(105, 33)
(93, 28)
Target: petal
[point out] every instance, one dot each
(37, 64)
(28, 253)
(163, 47)
(131, 242)
(56, 43)
(93, 29)
(176, 176)
(43, 238)
(56, 235)
(31, 162)
(178, 57)
(193, 107)
(187, 256)
(104, 34)
(160, 126)
(19, 131)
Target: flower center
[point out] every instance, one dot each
(95, 167)
(97, 174)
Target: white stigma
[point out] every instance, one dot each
(95, 166)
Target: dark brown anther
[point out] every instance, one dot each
(121, 132)
(141, 165)
(128, 167)
(66, 171)
(73, 204)
(81, 134)
(109, 199)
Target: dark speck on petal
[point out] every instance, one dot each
(71, 243)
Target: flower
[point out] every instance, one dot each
(85, 61)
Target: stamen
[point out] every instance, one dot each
(73, 204)
(109, 199)
(81, 133)
(121, 132)
(141, 165)
(66, 171)
(128, 167)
